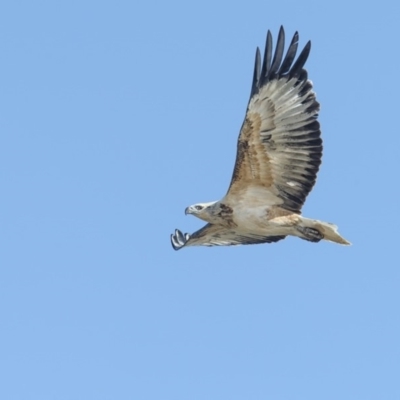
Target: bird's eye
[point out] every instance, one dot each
(198, 208)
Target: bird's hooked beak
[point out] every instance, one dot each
(188, 210)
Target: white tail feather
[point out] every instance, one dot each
(330, 231)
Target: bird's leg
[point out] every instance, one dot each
(310, 234)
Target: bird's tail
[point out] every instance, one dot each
(327, 231)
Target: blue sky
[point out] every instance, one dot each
(114, 117)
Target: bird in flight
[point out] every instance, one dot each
(279, 152)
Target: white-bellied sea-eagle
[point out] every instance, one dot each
(279, 152)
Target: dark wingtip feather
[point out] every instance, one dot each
(178, 239)
(301, 60)
(267, 55)
(280, 45)
(256, 73)
(290, 55)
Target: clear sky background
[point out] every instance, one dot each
(114, 117)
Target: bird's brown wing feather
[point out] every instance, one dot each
(279, 148)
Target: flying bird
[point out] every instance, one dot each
(278, 156)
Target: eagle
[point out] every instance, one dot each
(279, 152)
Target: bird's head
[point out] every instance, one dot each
(204, 211)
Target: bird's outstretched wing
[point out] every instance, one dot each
(279, 147)
(218, 235)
